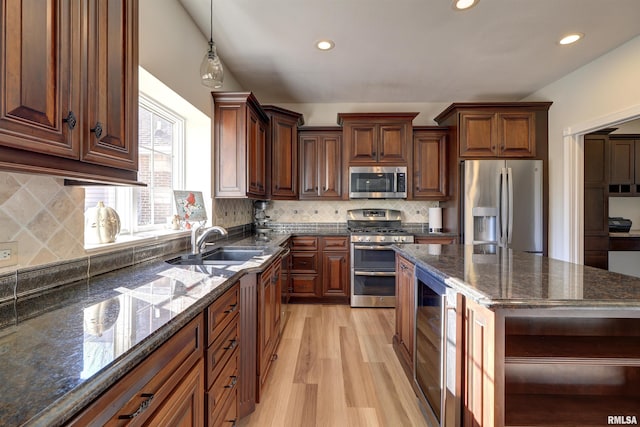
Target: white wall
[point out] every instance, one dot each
(171, 48)
(608, 85)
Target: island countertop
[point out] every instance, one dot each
(502, 278)
(89, 334)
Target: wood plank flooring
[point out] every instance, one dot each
(336, 367)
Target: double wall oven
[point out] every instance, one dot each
(373, 276)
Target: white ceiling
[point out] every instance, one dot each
(409, 50)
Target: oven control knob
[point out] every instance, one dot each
(367, 239)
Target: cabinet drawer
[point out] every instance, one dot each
(304, 262)
(338, 243)
(145, 388)
(223, 387)
(222, 350)
(304, 243)
(303, 284)
(228, 415)
(222, 312)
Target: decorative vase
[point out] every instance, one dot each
(102, 224)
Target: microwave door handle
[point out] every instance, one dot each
(503, 207)
(510, 187)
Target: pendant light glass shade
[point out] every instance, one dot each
(211, 72)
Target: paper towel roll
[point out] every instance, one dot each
(435, 220)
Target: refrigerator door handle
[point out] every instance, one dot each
(503, 207)
(510, 195)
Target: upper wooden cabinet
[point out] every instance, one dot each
(69, 89)
(372, 138)
(429, 163)
(240, 136)
(624, 173)
(282, 156)
(498, 129)
(320, 163)
(497, 134)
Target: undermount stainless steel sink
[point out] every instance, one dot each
(224, 255)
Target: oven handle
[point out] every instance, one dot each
(375, 273)
(373, 247)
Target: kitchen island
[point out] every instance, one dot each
(539, 341)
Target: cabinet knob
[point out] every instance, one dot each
(232, 308)
(70, 120)
(234, 381)
(232, 344)
(143, 406)
(97, 130)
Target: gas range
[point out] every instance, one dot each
(377, 226)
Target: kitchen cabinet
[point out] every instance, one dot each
(70, 91)
(479, 374)
(305, 272)
(501, 134)
(375, 138)
(282, 155)
(240, 137)
(596, 199)
(320, 163)
(168, 382)
(335, 266)
(405, 313)
(429, 164)
(223, 354)
(624, 171)
(269, 303)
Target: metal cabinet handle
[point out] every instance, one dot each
(232, 344)
(232, 308)
(70, 120)
(97, 130)
(232, 384)
(143, 407)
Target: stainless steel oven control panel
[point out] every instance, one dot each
(376, 238)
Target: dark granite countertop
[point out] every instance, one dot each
(500, 278)
(91, 333)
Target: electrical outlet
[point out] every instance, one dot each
(8, 254)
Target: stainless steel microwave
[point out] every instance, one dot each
(378, 182)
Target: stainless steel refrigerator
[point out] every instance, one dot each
(502, 203)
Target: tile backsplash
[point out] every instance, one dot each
(232, 212)
(336, 211)
(43, 216)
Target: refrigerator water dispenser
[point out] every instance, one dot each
(484, 225)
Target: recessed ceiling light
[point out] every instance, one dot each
(464, 4)
(571, 38)
(325, 44)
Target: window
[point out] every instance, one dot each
(160, 151)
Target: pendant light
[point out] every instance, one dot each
(211, 71)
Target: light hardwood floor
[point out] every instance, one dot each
(336, 367)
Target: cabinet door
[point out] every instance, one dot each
(331, 167)
(405, 307)
(479, 371)
(284, 158)
(184, 407)
(478, 135)
(335, 277)
(40, 76)
(363, 144)
(309, 166)
(622, 170)
(110, 131)
(516, 134)
(429, 166)
(256, 139)
(392, 142)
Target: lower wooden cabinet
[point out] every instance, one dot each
(269, 304)
(405, 313)
(320, 269)
(170, 382)
(191, 380)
